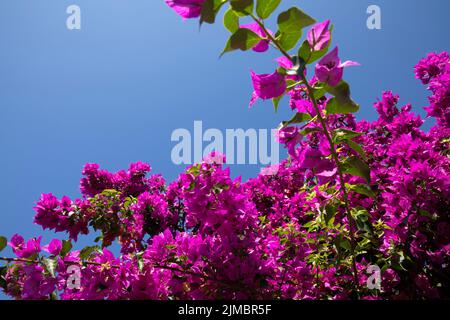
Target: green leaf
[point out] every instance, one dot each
(356, 167)
(345, 244)
(297, 118)
(304, 51)
(294, 20)
(50, 265)
(276, 102)
(342, 243)
(231, 21)
(290, 25)
(242, 39)
(330, 212)
(208, 14)
(361, 217)
(345, 134)
(355, 146)
(361, 189)
(335, 106)
(242, 7)
(289, 40)
(264, 8)
(3, 243)
(86, 252)
(311, 56)
(66, 247)
(342, 102)
(319, 92)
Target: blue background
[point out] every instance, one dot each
(113, 92)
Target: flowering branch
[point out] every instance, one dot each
(327, 133)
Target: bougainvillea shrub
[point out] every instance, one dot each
(351, 197)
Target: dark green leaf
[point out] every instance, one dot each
(305, 51)
(290, 25)
(242, 39)
(310, 56)
(231, 21)
(336, 106)
(342, 243)
(264, 8)
(345, 134)
(361, 217)
(242, 7)
(319, 92)
(66, 247)
(355, 146)
(345, 244)
(297, 118)
(289, 40)
(342, 102)
(209, 10)
(208, 14)
(294, 20)
(3, 243)
(362, 189)
(86, 252)
(356, 167)
(276, 102)
(330, 212)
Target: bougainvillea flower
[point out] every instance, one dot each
(22, 250)
(330, 69)
(319, 36)
(267, 86)
(54, 247)
(290, 137)
(284, 62)
(309, 158)
(434, 65)
(262, 45)
(187, 9)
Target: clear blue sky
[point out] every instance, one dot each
(113, 92)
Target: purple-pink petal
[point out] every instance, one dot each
(187, 9)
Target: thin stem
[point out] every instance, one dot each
(17, 260)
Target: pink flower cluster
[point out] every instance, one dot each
(206, 236)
